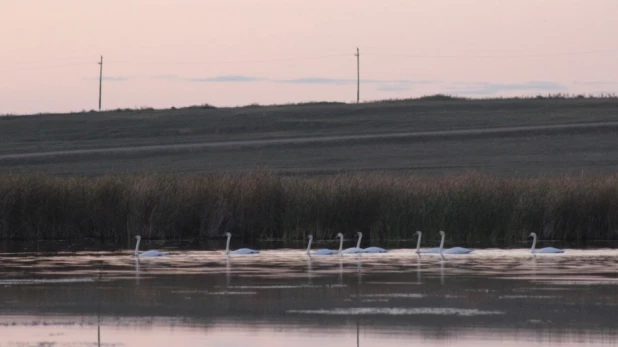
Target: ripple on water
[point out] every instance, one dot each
(205, 292)
(372, 300)
(391, 295)
(529, 297)
(396, 311)
(583, 282)
(44, 281)
(285, 286)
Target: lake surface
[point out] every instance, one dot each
(284, 298)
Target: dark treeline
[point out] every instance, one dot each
(472, 208)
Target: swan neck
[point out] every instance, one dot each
(309, 245)
(227, 244)
(533, 243)
(418, 243)
(340, 244)
(137, 247)
(359, 240)
(442, 243)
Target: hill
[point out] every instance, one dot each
(520, 136)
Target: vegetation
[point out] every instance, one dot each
(472, 207)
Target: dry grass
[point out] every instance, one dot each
(471, 207)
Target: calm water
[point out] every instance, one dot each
(284, 298)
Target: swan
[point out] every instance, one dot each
(151, 253)
(418, 245)
(322, 251)
(340, 236)
(543, 250)
(238, 251)
(374, 250)
(357, 249)
(454, 250)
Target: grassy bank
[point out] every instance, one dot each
(472, 207)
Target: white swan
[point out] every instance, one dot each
(374, 250)
(357, 249)
(340, 236)
(151, 253)
(454, 250)
(434, 250)
(543, 250)
(238, 251)
(322, 251)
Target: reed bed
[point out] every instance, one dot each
(472, 208)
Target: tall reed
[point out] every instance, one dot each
(473, 208)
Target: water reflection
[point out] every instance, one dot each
(357, 334)
(99, 307)
(396, 298)
(136, 269)
(228, 272)
(340, 270)
(309, 270)
(442, 271)
(359, 269)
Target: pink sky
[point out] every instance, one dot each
(162, 53)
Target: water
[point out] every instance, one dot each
(283, 298)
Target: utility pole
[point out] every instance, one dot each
(100, 81)
(357, 75)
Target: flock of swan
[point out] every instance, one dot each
(353, 250)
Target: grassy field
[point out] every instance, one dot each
(519, 152)
(472, 208)
(487, 171)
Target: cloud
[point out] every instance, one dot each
(404, 81)
(317, 80)
(227, 78)
(393, 88)
(165, 77)
(594, 83)
(301, 80)
(340, 81)
(487, 88)
(107, 78)
(114, 78)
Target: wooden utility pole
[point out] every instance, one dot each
(100, 81)
(357, 75)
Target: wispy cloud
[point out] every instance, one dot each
(401, 81)
(227, 78)
(487, 88)
(165, 77)
(300, 80)
(316, 80)
(324, 80)
(114, 78)
(594, 83)
(107, 78)
(393, 88)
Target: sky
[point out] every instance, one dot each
(163, 53)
